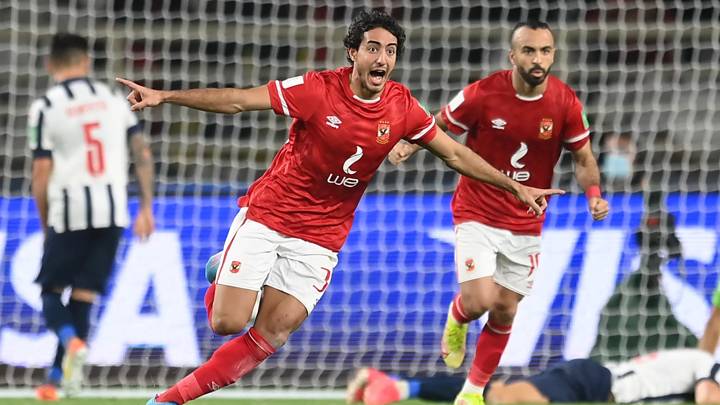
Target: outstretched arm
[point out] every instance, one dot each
(227, 101)
(588, 176)
(464, 161)
(403, 150)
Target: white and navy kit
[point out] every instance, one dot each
(84, 127)
(663, 376)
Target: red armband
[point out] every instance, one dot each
(593, 192)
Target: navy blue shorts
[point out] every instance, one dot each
(81, 259)
(579, 380)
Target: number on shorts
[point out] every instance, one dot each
(327, 281)
(534, 262)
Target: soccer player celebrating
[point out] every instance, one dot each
(518, 120)
(295, 218)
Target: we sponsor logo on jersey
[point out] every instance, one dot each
(518, 175)
(333, 121)
(498, 123)
(345, 181)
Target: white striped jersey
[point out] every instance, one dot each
(84, 127)
(663, 376)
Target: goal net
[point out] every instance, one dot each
(647, 72)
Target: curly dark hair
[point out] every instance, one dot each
(367, 20)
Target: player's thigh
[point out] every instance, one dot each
(476, 248)
(101, 247)
(517, 263)
(248, 257)
(303, 271)
(279, 315)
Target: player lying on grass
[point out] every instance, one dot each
(296, 217)
(675, 375)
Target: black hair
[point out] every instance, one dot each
(65, 48)
(533, 25)
(367, 20)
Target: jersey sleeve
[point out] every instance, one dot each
(39, 141)
(712, 373)
(576, 129)
(297, 96)
(462, 111)
(420, 124)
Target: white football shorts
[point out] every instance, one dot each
(484, 251)
(256, 256)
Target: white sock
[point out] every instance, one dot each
(470, 387)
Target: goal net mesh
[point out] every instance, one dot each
(646, 71)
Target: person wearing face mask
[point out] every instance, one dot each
(295, 218)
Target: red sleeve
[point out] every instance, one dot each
(576, 132)
(462, 111)
(295, 97)
(420, 124)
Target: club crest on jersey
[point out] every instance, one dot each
(469, 265)
(234, 266)
(383, 135)
(546, 128)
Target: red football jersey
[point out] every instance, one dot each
(336, 143)
(522, 137)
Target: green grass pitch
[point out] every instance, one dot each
(140, 401)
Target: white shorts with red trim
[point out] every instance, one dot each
(484, 251)
(255, 256)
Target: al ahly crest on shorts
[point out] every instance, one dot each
(383, 134)
(546, 128)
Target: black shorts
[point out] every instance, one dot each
(579, 380)
(81, 259)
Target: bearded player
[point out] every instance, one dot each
(296, 217)
(518, 120)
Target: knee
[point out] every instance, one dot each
(81, 294)
(475, 305)
(225, 324)
(503, 312)
(277, 329)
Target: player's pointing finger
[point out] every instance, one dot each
(129, 83)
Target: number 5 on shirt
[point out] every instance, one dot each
(95, 152)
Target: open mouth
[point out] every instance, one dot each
(377, 76)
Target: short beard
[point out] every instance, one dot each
(530, 79)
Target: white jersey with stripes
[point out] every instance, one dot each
(663, 376)
(84, 127)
